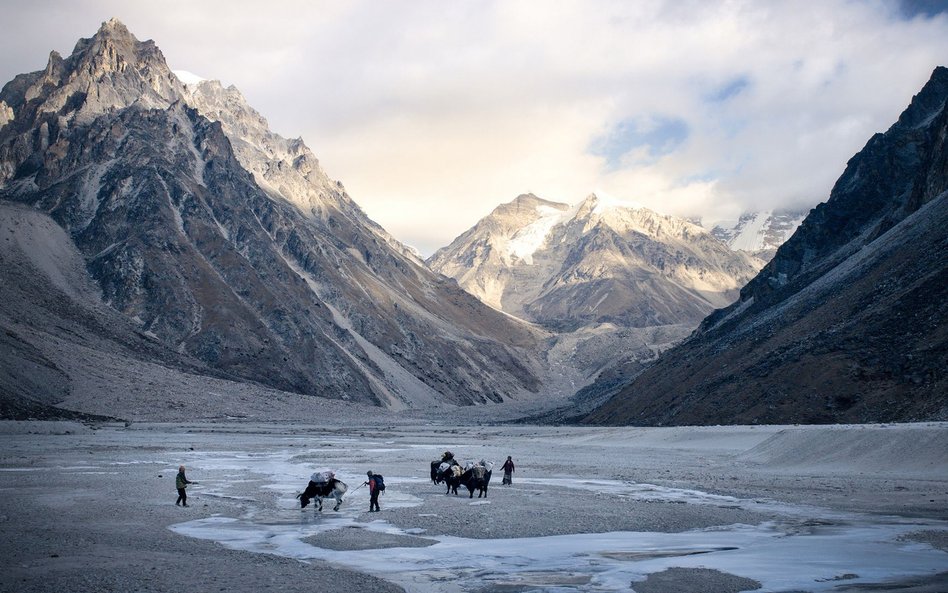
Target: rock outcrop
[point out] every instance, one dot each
(59, 339)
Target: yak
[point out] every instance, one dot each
(476, 478)
(442, 471)
(319, 490)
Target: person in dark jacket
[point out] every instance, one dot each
(373, 493)
(508, 468)
(181, 483)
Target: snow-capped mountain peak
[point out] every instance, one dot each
(607, 255)
(526, 241)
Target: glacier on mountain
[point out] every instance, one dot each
(759, 233)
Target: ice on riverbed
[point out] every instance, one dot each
(776, 554)
(808, 548)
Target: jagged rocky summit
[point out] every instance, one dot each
(229, 246)
(847, 323)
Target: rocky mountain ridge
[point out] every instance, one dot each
(229, 244)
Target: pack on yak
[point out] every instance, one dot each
(323, 484)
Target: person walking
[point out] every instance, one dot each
(374, 491)
(181, 482)
(508, 468)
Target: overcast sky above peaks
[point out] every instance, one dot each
(432, 113)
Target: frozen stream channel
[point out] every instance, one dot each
(462, 544)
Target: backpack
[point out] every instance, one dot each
(379, 482)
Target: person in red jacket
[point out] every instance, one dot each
(508, 468)
(373, 493)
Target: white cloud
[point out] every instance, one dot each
(432, 113)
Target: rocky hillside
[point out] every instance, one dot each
(229, 245)
(847, 323)
(60, 342)
(568, 267)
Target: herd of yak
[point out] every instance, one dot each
(473, 476)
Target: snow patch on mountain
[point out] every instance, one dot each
(188, 78)
(532, 237)
(751, 237)
(758, 233)
(605, 202)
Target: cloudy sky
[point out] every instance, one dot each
(432, 113)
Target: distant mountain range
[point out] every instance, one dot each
(847, 323)
(229, 246)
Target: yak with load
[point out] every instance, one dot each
(474, 476)
(323, 484)
(477, 478)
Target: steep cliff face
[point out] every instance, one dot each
(569, 267)
(847, 323)
(230, 244)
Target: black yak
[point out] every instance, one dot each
(476, 478)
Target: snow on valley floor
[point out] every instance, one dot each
(792, 547)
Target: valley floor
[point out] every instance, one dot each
(796, 508)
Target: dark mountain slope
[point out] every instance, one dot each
(848, 322)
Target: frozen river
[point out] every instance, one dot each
(589, 509)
